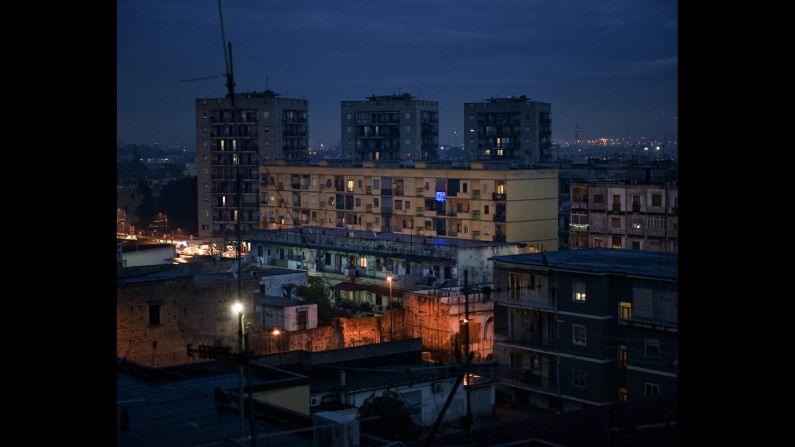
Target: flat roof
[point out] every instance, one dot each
(130, 245)
(279, 301)
(602, 261)
(181, 411)
(395, 237)
(383, 290)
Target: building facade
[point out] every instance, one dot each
(513, 129)
(392, 127)
(474, 203)
(586, 327)
(410, 261)
(624, 216)
(264, 129)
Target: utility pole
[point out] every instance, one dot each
(230, 84)
(468, 417)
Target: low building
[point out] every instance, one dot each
(438, 317)
(411, 260)
(137, 253)
(160, 313)
(586, 327)
(367, 297)
(285, 314)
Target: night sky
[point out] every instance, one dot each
(608, 65)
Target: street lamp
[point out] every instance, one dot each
(389, 280)
(238, 309)
(391, 315)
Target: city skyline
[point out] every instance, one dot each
(608, 67)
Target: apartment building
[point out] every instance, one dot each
(390, 127)
(512, 129)
(624, 216)
(472, 203)
(265, 128)
(586, 327)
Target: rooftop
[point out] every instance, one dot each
(180, 411)
(395, 237)
(279, 301)
(601, 261)
(128, 246)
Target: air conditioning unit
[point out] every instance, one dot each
(314, 402)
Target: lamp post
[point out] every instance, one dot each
(238, 309)
(391, 314)
(389, 280)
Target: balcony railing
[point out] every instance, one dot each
(539, 380)
(475, 195)
(420, 192)
(499, 217)
(527, 298)
(497, 196)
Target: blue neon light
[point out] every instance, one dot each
(441, 196)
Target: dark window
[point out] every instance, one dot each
(656, 200)
(154, 314)
(598, 198)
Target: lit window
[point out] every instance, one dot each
(624, 310)
(622, 356)
(622, 394)
(500, 152)
(578, 289)
(500, 188)
(350, 185)
(363, 262)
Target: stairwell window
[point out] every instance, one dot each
(578, 378)
(652, 389)
(580, 336)
(652, 347)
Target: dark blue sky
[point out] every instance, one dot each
(609, 65)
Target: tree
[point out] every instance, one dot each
(315, 293)
(394, 418)
(180, 202)
(147, 207)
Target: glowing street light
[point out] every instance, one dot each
(389, 280)
(238, 309)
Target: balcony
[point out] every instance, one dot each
(668, 320)
(527, 298)
(536, 380)
(475, 215)
(368, 190)
(497, 196)
(475, 195)
(420, 211)
(499, 217)
(368, 208)
(420, 192)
